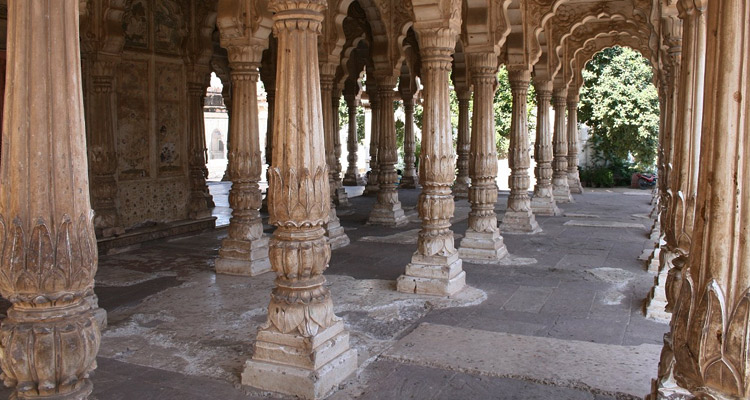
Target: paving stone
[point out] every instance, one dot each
(604, 331)
(528, 299)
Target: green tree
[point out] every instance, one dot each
(621, 106)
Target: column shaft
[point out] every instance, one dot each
(409, 180)
(461, 186)
(560, 187)
(373, 186)
(245, 250)
(387, 210)
(339, 195)
(200, 198)
(483, 242)
(518, 216)
(435, 267)
(543, 202)
(352, 177)
(50, 337)
(334, 231)
(709, 328)
(303, 349)
(574, 181)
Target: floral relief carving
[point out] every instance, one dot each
(300, 197)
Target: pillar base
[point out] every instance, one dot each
(246, 258)
(337, 238)
(482, 247)
(371, 190)
(562, 194)
(387, 215)
(409, 182)
(574, 184)
(435, 275)
(83, 393)
(340, 198)
(202, 214)
(544, 205)
(653, 261)
(519, 222)
(461, 190)
(353, 180)
(299, 366)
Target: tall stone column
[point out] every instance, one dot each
(303, 349)
(461, 186)
(340, 197)
(560, 188)
(373, 186)
(352, 177)
(543, 202)
(518, 217)
(271, 99)
(226, 95)
(435, 267)
(709, 328)
(483, 242)
(102, 155)
(200, 198)
(664, 296)
(574, 181)
(49, 340)
(409, 179)
(245, 250)
(334, 231)
(387, 210)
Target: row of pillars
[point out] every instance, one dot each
(49, 341)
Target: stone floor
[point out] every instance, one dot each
(569, 326)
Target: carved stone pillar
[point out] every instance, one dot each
(245, 250)
(334, 231)
(435, 267)
(709, 330)
(373, 186)
(340, 197)
(518, 217)
(102, 155)
(49, 340)
(574, 181)
(387, 210)
(409, 179)
(483, 242)
(461, 186)
(271, 98)
(543, 202)
(560, 188)
(352, 177)
(226, 95)
(200, 198)
(303, 349)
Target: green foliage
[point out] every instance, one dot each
(503, 107)
(597, 177)
(621, 106)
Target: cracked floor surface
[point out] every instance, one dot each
(177, 330)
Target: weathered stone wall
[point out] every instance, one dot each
(151, 120)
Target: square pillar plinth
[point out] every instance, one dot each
(545, 205)
(246, 258)
(482, 247)
(519, 222)
(295, 365)
(387, 215)
(435, 275)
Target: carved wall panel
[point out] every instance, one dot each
(135, 24)
(133, 120)
(169, 27)
(170, 120)
(161, 200)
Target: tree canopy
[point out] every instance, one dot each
(621, 106)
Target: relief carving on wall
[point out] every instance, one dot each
(135, 24)
(133, 120)
(168, 122)
(169, 27)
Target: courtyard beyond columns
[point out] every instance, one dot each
(177, 328)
